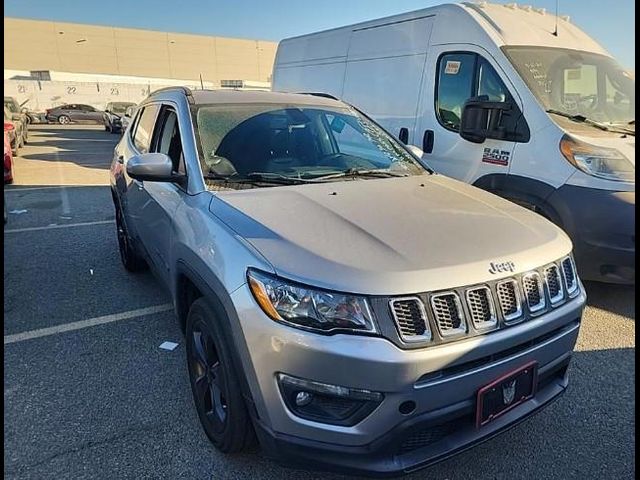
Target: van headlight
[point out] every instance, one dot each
(600, 162)
(308, 308)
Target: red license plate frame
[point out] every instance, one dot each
(486, 396)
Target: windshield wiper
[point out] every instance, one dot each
(582, 119)
(255, 178)
(354, 172)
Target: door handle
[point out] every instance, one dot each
(427, 141)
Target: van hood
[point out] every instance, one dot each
(389, 236)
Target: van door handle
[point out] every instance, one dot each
(403, 136)
(427, 141)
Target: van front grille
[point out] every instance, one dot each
(448, 314)
(481, 309)
(410, 318)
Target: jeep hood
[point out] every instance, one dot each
(388, 236)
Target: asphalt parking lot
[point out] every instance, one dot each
(88, 393)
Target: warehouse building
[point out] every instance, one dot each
(50, 63)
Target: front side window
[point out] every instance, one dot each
(577, 83)
(168, 139)
(461, 76)
(144, 128)
(295, 143)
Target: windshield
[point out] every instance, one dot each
(295, 142)
(577, 83)
(119, 107)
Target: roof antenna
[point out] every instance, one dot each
(201, 85)
(555, 32)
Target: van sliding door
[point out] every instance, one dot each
(384, 71)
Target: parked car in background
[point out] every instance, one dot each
(494, 99)
(127, 116)
(18, 116)
(13, 130)
(8, 160)
(34, 117)
(75, 112)
(338, 296)
(113, 113)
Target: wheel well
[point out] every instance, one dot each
(187, 293)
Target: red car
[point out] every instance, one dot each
(8, 159)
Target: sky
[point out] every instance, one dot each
(611, 23)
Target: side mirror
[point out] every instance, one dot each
(415, 150)
(153, 167)
(482, 119)
(24, 110)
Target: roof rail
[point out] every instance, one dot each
(320, 94)
(186, 90)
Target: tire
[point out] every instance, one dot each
(129, 256)
(64, 120)
(107, 128)
(214, 383)
(20, 141)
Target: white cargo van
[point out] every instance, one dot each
(509, 98)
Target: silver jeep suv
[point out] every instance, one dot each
(341, 302)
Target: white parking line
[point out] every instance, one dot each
(52, 227)
(91, 322)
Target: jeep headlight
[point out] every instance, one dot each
(308, 308)
(600, 162)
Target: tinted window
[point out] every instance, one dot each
(490, 84)
(169, 141)
(144, 128)
(455, 86)
(87, 108)
(461, 76)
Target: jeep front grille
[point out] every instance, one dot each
(448, 314)
(533, 292)
(570, 278)
(411, 319)
(481, 309)
(554, 283)
(509, 299)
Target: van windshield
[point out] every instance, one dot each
(577, 83)
(272, 143)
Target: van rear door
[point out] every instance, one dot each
(384, 71)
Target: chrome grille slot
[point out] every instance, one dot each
(533, 292)
(448, 314)
(509, 299)
(411, 319)
(481, 308)
(554, 283)
(570, 278)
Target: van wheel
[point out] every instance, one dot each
(214, 383)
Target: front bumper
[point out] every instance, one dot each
(388, 442)
(601, 224)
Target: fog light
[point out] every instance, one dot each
(326, 403)
(303, 398)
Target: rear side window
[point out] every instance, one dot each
(144, 128)
(460, 76)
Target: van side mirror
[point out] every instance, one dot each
(153, 167)
(482, 119)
